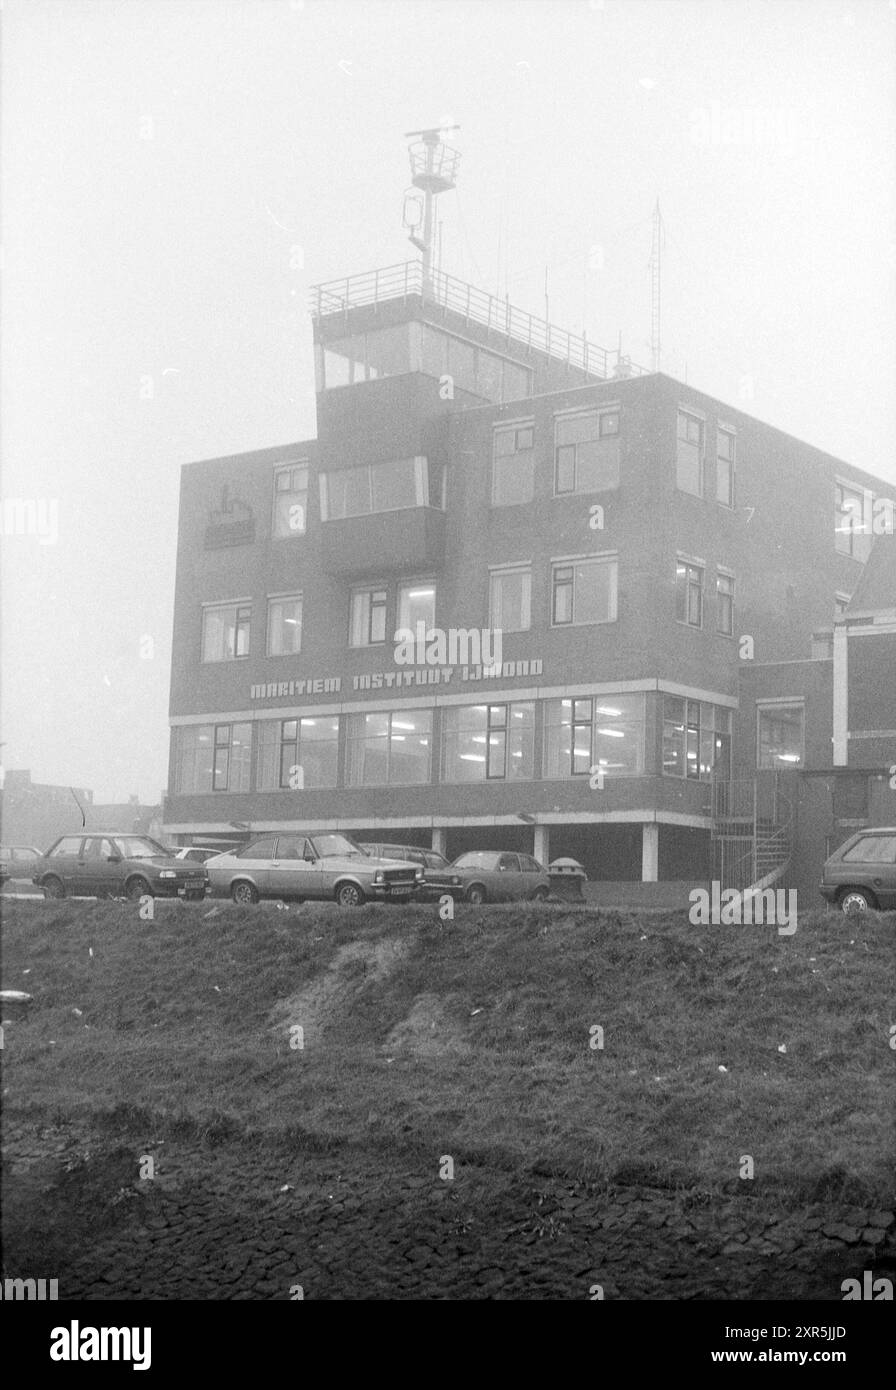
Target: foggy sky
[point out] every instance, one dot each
(177, 173)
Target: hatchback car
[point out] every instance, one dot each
(439, 876)
(17, 861)
(861, 874)
(325, 866)
(495, 876)
(101, 864)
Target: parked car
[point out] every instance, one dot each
(108, 864)
(439, 876)
(861, 874)
(193, 852)
(324, 866)
(17, 861)
(495, 876)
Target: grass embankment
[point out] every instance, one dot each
(472, 1037)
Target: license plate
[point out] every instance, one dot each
(195, 883)
(401, 888)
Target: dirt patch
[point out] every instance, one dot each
(354, 969)
(428, 1031)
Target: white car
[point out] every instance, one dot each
(325, 866)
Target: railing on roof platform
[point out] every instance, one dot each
(407, 279)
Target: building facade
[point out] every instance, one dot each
(516, 594)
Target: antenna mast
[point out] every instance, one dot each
(433, 169)
(655, 285)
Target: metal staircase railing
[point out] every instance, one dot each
(752, 833)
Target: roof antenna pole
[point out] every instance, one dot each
(434, 170)
(655, 286)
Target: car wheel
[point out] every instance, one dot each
(540, 895)
(137, 888)
(243, 892)
(53, 888)
(476, 894)
(857, 900)
(349, 895)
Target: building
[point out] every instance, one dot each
(37, 813)
(652, 562)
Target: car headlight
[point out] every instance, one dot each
(378, 876)
(418, 875)
(455, 880)
(168, 873)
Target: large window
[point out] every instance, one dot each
(285, 745)
(604, 732)
(291, 499)
(225, 631)
(513, 466)
(725, 603)
(780, 734)
(726, 442)
(473, 368)
(696, 739)
(584, 591)
(489, 742)
(416, 604)
(381, 487)
(689, 593)
(850, 519)
(285, 625)
(389, 749)
(366, 356)
(586, 452)
(510, 599)
(212, 757)
(689, 457)
(367, 624)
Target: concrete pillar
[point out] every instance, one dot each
(650, 852)
(542, 850)
(440, 839)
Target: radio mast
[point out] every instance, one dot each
(434, 168)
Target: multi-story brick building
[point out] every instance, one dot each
(653, 559)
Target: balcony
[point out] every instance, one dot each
(397, 542)
(448, 295)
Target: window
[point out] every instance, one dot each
(366, 356)
(389, 749)
(212, 757)
(605, 731)
(696, 739)
(489, 742)
(513, 466)
(689, 593)
(291, 500)
(473, 368)
(872, 849)
(225, 631)
(689, 457)
(510, 599)
(285, 745)
(285, 625)
(368, 617)
(586, 452)
(258, 849)
(416, 604)
(584, 591)
(780, 735)
(725, 463)
(725, 603)
(850, 534)
(381, 487)
(69, 847)
(233, 756)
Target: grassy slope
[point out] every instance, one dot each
(395, 1056)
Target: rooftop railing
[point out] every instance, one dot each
(403, 281)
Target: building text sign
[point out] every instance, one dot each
(395, 680)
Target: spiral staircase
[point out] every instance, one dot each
(752, 833)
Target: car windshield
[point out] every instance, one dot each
(327, 846)
(477, 859)
(140, 847)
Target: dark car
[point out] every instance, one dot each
(324, 866)
(108, 864)
(861, 874)
(17, 861)
(497, 876)
(439, 876)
